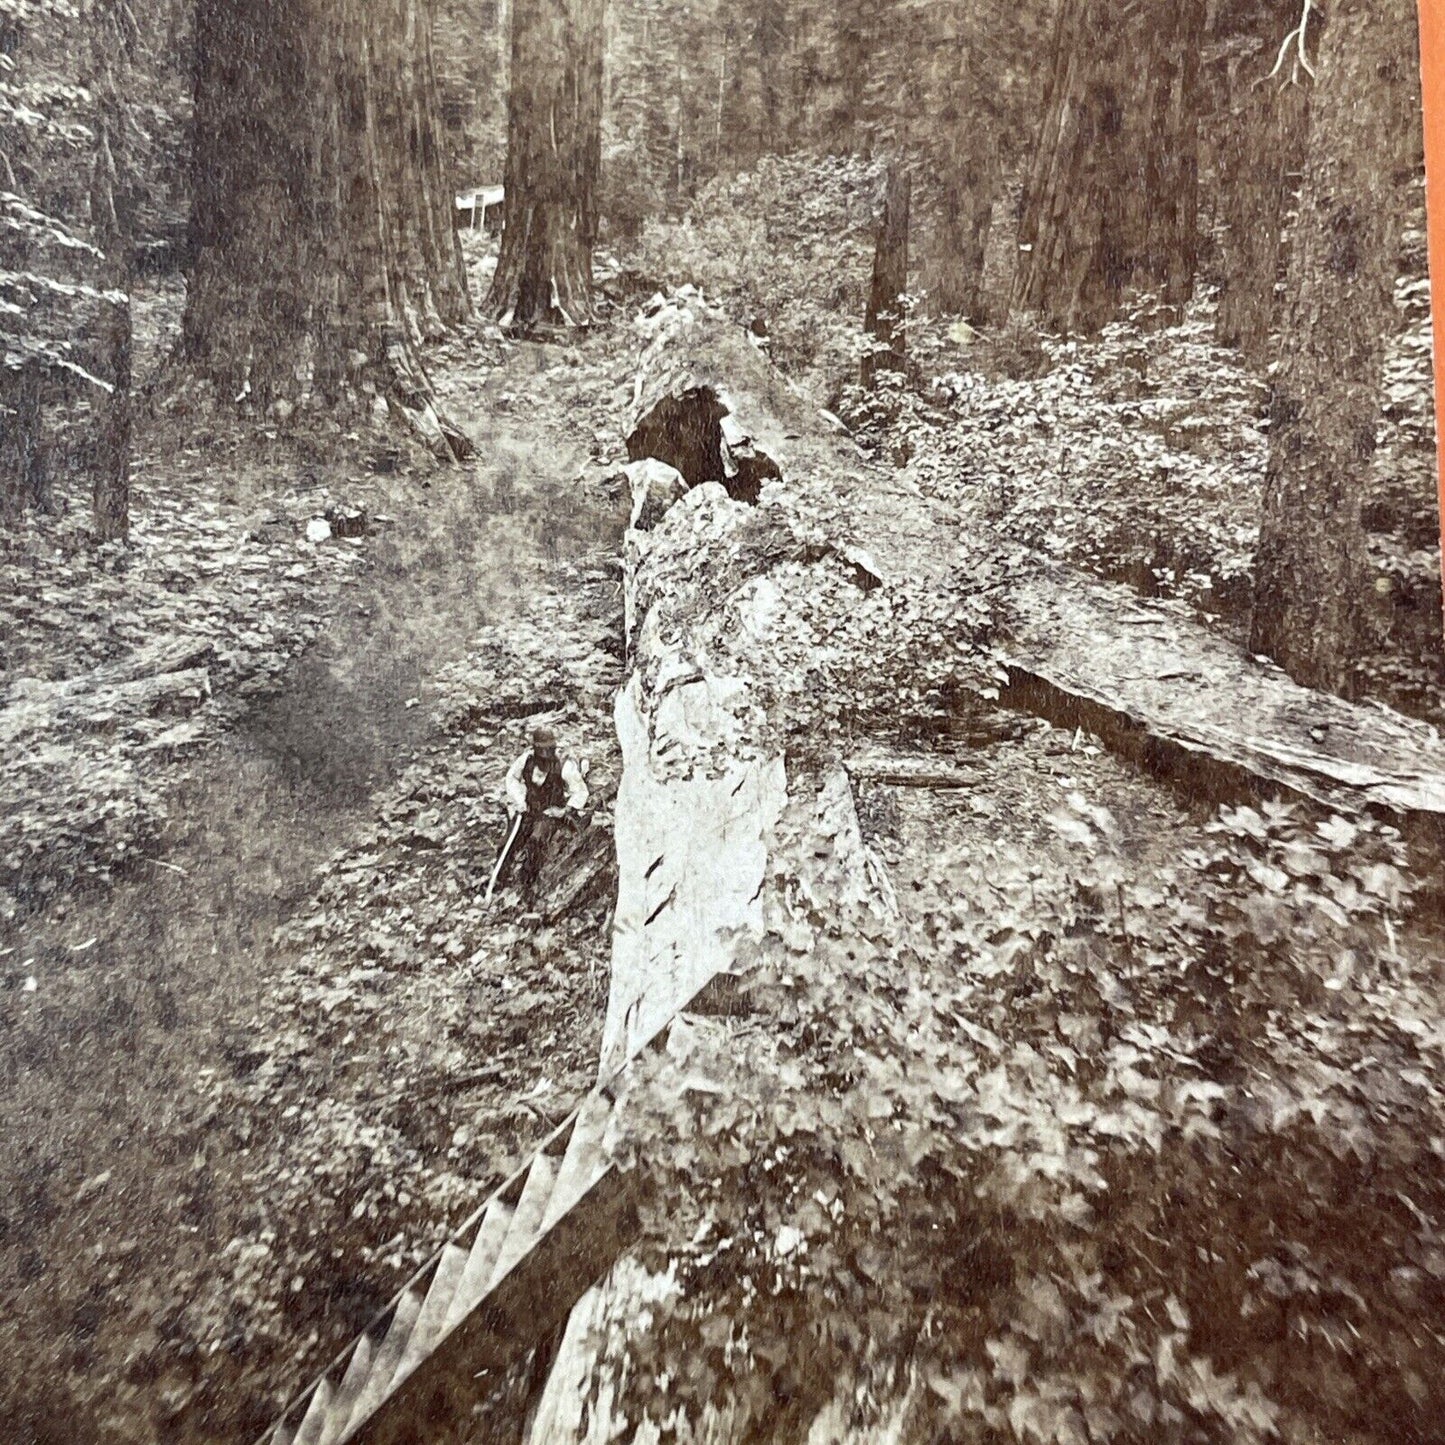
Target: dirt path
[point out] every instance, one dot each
(117, 1203)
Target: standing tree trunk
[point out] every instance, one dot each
(24, 465)
(112, 221)
(965, 217)
(554, 157)
(969, 170)
(321, 230)
(1110, 196)
(1311, 567)
(885, 320)
(1171, 182)
(855, 23)
(1258, 159)
(1259, 168)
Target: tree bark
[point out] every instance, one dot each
(321, 233)
(1111, 193)
(1171, 187)
(966, 215)
(1311, 566)
(855, 21)
(112, 221)
(554, 158)
(884, 320)
(110, 486)
(1259, 168)
(24, 470)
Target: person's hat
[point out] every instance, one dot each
(544, 738)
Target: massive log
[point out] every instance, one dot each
(1149, 678)
(726, 815)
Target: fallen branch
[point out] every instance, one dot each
(165, 678)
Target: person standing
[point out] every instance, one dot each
(543, 790)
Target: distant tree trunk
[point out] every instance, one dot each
(1311, 567)
(1171, 182)
(855, 21)
(966, 215)
(554, 156)
(771, 35)
(961, 137)
(1258, 169)
(112, 221)
(1259, 166)
(884, 320)
(110, 486)
(1111, 190)
(24, 473)
(1074, 259)
(321, 229)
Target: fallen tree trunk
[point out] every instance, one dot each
(694, 807)
(167, 678)
(1146, 676)
(713, 828)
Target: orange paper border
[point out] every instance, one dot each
(1432, 96)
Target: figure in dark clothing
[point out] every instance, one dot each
(542, 789)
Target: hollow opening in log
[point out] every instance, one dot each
(688, 431)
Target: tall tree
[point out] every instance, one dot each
(1311, 568)
(554, 158)
(321, 230)
(113, 40)
(965, 144)
(52, 310)
(1111, 191)
(1171, 177)
(884, 320)
(1259, 152)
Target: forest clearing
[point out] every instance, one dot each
(918, 521)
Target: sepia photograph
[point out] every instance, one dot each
(720, 722)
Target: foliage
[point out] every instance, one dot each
(90, 135)
(1139, 456)
(84, 802)
(44, 142)
(700, 91)
(789, 243)
(305, 1109)
(1070, 1156)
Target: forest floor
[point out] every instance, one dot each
(260, 1043)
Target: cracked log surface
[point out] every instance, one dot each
(814, 859)
(690, 845)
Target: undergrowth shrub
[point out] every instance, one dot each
(1147, 1158)
(790, 242)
